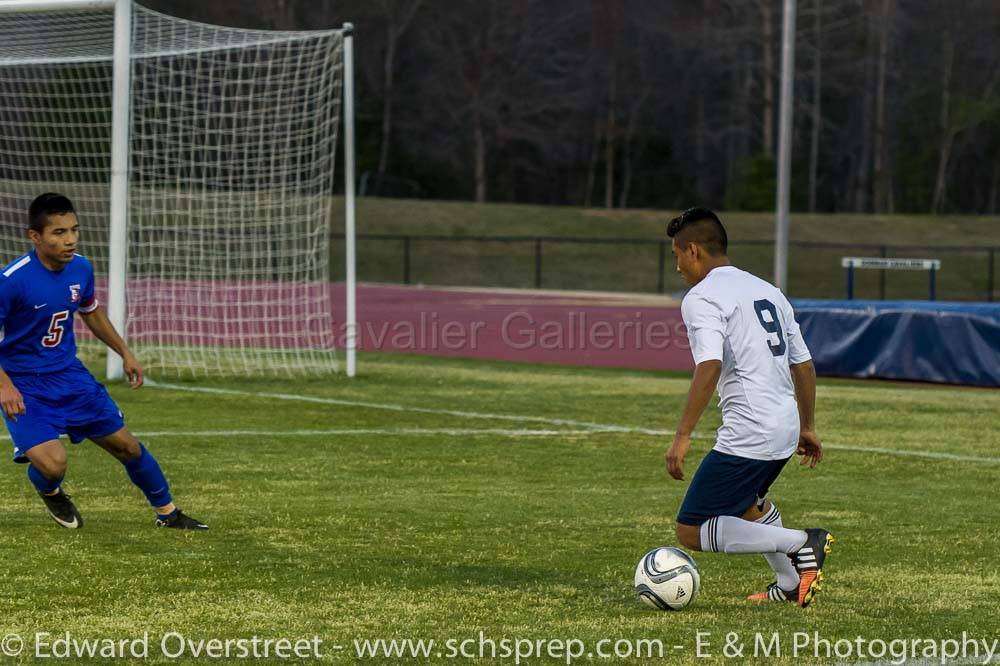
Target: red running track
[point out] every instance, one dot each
(570, 328)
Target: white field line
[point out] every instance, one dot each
(933, 455)
(402, 432)
(449, 432)
(596, 427)
(584, 428)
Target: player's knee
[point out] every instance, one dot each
(757, 510)
(52, 466)
(123, 447)
(127, 451)
(689, 536)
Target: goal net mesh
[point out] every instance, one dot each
(232, 150)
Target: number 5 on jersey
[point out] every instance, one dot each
(55, 335)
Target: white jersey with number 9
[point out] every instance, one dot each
(747, 323)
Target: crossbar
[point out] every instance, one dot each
(24, 6)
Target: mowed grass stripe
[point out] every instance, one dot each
(590, 427)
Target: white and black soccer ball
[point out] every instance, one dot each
(667, 579)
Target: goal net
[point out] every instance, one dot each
(231, 152)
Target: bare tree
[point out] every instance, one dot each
(548, 101)
(595, 155)
(994, 196)
(767, 75)
(882, 199)
(398, 16)
(610, 137)
(817, 104)
(862, 179)
(635, 111)
(974, 111)
(947, 136)
(498, 77)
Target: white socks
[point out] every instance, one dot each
(728, 534)
(781, 564)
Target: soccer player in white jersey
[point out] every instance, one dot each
(746, 343)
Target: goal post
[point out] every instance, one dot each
(118, 216)
(201, 160)
(350, 320)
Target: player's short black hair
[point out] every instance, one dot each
(701, 226)
(47, 204)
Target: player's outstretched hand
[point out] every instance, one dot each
(133, 371)
(676, 454)
(810, 448)
(11, 401)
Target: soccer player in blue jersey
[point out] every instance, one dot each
(45, 391)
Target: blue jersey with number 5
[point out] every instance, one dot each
(36, 313)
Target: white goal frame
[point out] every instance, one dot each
(121, 105)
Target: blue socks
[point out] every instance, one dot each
(43, 485)
(144, 471)
(146, 474)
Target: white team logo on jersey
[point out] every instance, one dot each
(74, 293)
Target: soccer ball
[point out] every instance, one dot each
(667, 579)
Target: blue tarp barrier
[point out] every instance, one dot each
(954, 343)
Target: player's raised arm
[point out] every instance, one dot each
(99, 324)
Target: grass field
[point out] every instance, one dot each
(813, 272)
(459, 497)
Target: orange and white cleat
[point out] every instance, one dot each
(808, 561)
(775, 593)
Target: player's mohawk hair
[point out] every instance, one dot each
(706, 229)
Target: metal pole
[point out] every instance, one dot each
(784, 148)
(933, 274)
(118, 230)
(350, 338)
(850, 282)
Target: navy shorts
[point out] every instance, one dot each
(67, 402)
(727, 485)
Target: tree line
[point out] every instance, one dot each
(632, 103)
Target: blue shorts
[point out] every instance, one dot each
(727, 485)
(67, 402)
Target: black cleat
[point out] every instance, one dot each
(808, 561)
(179, 520)
(62, 510)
